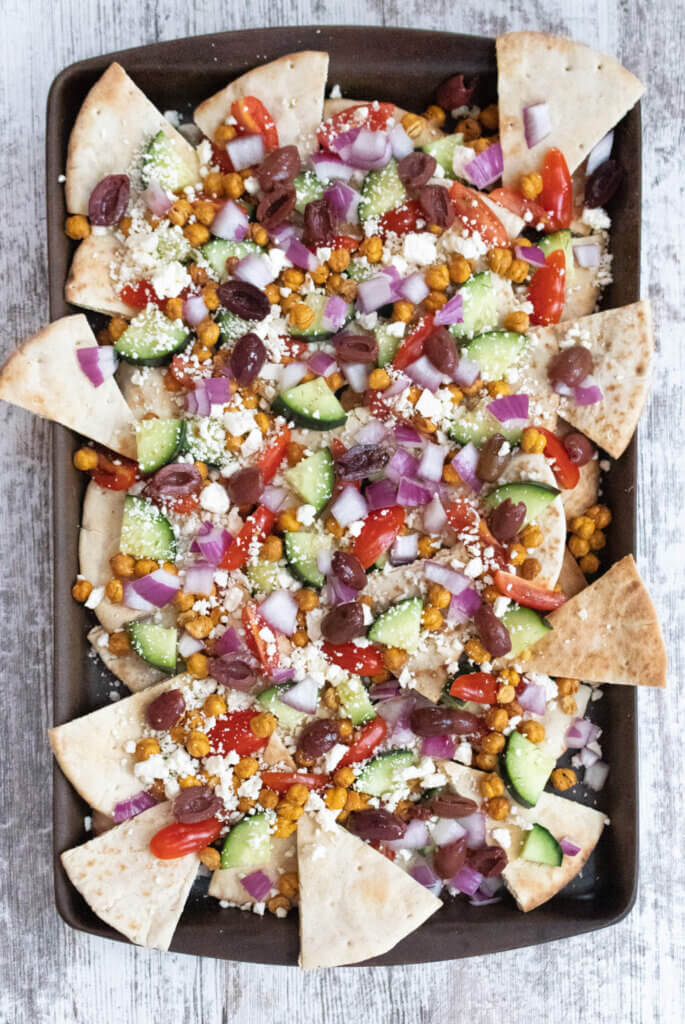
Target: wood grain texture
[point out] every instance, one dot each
(48, 973)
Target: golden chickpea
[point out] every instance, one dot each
(204, 212)
(307, 599)
(492, 743)
(196, 234)
(85, 459)
(245, 804)
(320, 274)
(498, 808)
(208, 333)
(198, 665)
(77, 227)
(301, 316)
(564, 778)
(533, 731)
(491, 786)
(179, 212)
(197, 744)
(478, 145)
(450, 475)
(500, 260)
(333, 527)
(517, 321)
(198, 274)
(531, 536)
(437, 277)
(567, 686)
(513, 709)
(600, 514)
(339, 260)
(114, 591)
(268, 799)
(144, 566)
(200, 627)
(289, 885)
(293, 278)
(489, 117)
(345, 729)
(435, 301)
(81, 590)
(486, 762)
(426, 547)
(432, 618)
(173, 309)
(122, 566)
(436, 115)
(284, 828)
(578, 547)
(214, 706)
(277, 903)
(517, 554)
(394, 659)
(597, 541)
(297, 794)
(263, 724)
(355, 801)
(335, 380)
(233, 185)
(402, 311)
(414, 125)
(518, 271)
(184, 602)
(470, 128)
(344, 777)
(303, 760)
(189, 781)
(497, 719)
(213, 184)
(456, 394)
(259, 234)
(272, 549)
(490, 594)
(498, 388)
(223, 134)
(289, 811)
(116, 327)
(459, 268)
(439, 596)
(531, 568)
(119, 643)
(246, 767)
(568, 705)
(334, 284)
(505, 694)
(146, 748)
(475, 651)
(211, 858)
(589, 564)
(531, 185)
(330, 698)
(583, 527)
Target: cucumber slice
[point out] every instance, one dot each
(312, 405)
(382, 773)
(162, 163)
(535, 497)
(317, 331)
(313, 478)
(151, 339)
(480, 306)
(382, 191)
(155, 644)
(248, 842)
(360, 270)
(388, 344)
(206, 440)
(526, 768)
(525, 627)
(308, 188)
(496, 351)
(443, 151)
(146, 532)
(478, 425)
(159, 442)
(355, 700)
(399, 626)
(561, 240)
(219, 250)
(301, 552)
(232, 326)
(287, 717)
(263, 576)
(542, 848)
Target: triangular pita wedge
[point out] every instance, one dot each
(608, 633)
(583, 289)
(530, 378)
(127, 886)
(144, 391)
(276, 753)
(571, 578)
(132, 670)
(430, 132)
(354, 903)
(586, 92)
(227, 884)
(292, 90)
(114, 124)
(44, 376)
(90, 284)
(584, 494)
(99, 540)
(551, 519)
(90, 750)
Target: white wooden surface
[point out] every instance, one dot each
(48, 973)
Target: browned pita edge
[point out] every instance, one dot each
(44, 376)
(115, 122)
(291, 88)
(571, 578)
(226, 884)
(607, 633)
(90, 284)
(276, 753)
(429, 132)
(587, 93)
(127, 886)
(130, 668)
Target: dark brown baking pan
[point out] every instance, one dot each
(368, 63)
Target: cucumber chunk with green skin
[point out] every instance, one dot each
(313, 478)
(526, 768)
(151, 339)
(248, 842)
(308, 188)
(542, 848)
(155, 644)
(388, 344)
(479, 306)
(146, 532)
(496, 352)
(382, 191)
(534, 496)
(163, 164)
(382, 774)
(525, 627)
(399, 626)
(478, 425)
(172, 244)
(271, 701)
(263, 576)
(443, 151)
(231, 326)
(311, 405)
(355, 701)
(379, 564)
(562, 240)
(360, 270)
(301, 552)
(158, 442)
(316, 330)
(205, 440)
(219, 250)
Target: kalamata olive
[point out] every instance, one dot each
(279, 167)
(452, 805)
(492, 631)
(449, 858)
(247, 358)
(108, 200)
(570, 366)
(348, 569)
(376, 823)
(246, 485)
(436, 205)
(441, 349)
(416, 169)
(360, 461)
(232, 671)
(578, 448)
(164, 711)
(356, 348)
(244, 299)
(441, 721)
(455, 92)
(343, 622)
(276, 206)
(176, 480)
(603, 183)
(196, 803)
(506, 520)
(317, 738)
(493, 457)
(489, 860)
(318, 226)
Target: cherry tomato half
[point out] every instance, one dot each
(374, 117)
(280, 782)
(363, 661)
(253, 116)
(547, 290)
(476, 216)
(378, 534)
(518, 204)
(178, 839)
(370, 735)
(402, 219)
(255, 527)
(480, 687)
(114, 472)
(557, 191)
(527, 593)
(254, 625)
(233, 732)
(566, 473)
(273, 455)
(140, 294)
(412, 346)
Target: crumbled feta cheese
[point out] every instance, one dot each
(213, 498)
(96, 595)
(502, 836)
(306, 514)
(428, 405)
(336, 92)
(597, 218)
(419, 248)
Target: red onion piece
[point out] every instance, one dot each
(532, 698)
(188, 645)
(445, 830)
(432, 460)
(474, 827)
(369, 150)
(405, 549)
(415, 838)
(463, 606)
(596, 775)
(532, 254)
(414, 288)
(199, 578)
(423, 373)
(400, 384)
(275, 498)
(211, 542)
(401, 464)
(466, 880)
(562, 389)
(508, 408)
(568, 847)
(381, 494)
(329, 167)
(258, 885)
(245, 151)
(581, 732)
(600, 153)
(424, 874)
(303, 696)
(292, 374)
(384, 691)
(349, 506)
(588, 254)
(374, 293)
(588, 392)
(280, 611)
(323, 561)
(434, 516)
(228, 642)
(255, 270)
(400, 143)
(194, 310)
(536, 123)
(465, 462)
(334, 314)
(467, 372)
(588, 757)
(126, 809)
(343, 202)
(337, 592)
(322, 364)
(157, 199)
(98, 362)
(282, 234)
(357, 376)
(412, 494)
(408, 435)
(157, 588)
(300, 256)
(485, 168)
(371, 433)
(231, 222)
(448, 578)
(282, 675)
(438, 746)
(452, 312)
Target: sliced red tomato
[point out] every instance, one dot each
(557, 191)
(233, 733)
(481, 687)
(378, 534)
(252, 115)
(476, 216)
(547, 290)
(412, 346)
(528, 593)
(402, 219)
(518, 204)
(254, 624)
(273, 455)
(180, 371)
(178, 839)
(566, 473)
(462, 515)
(374, 116)
(368, 738)
(115, 473)
(282, 781)
(186, 503)
(140, 294)
(348, 242)
(293, 349)
(363, 661)
(255, 528)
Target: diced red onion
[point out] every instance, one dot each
(464, 606)
(132, 599)
(323, 561)
(405, 549)
(465, 462)
(411, 493)
(438, 746)
(400, 384)
(596, 775)
(568, 847)
(432, 461)
(510, 407)
(369, 150)
(157, 588)
(300, 256)
(283, 233)
(194, 310)
(157, 199)
(292, 374)
(258, 885)
(474, 827)
(381, 494)
(275, 498)
(375, 292)
(532, 698)
(357, 376)
(322, 364)
(349, 506)
(466, 373)
(408, 435)
(384, 691)
(211, 542)
(423, 373)
(199, 578)
(329, 167)
(371, 433)
(588, 255)
(282, 675)
(423, 873)
(448, 578)
(343, 202)
(188, 645)
(280, 611)
(536, 123)
(532, 254)
(400, 143)
(434, 516)
(245, 151)
(98, 362)
(588, 392)
(255, 269)
(445, 830)
(126, 809)
(414, 288)
(588, 757)
(415, 838)
(562, 389)
(600, 153)
(485, 168)
(466, 880)
(337, 592)
(581, 732)
(218, 390)
(480, 899)
(303, 696)
(401, 464)
(231, 222)
(452, 312)
(196, 402)
(228, 642)
(398, 708)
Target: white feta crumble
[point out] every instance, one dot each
(334, 756)
(96, 595)
(213, 498)
(419, 248)
(597, 218)
(502, 836)
(336, 92)
(428, 405)
(306, 514)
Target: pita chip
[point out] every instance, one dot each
(130, 668)
(372, 905)
(586, 93)
(99, 540)
(571, 578)
(551, 520)
(292, 90)
(144, 391)
(227, 884)
(607, 633)
(276, 753)
(127, 886)
(44, 376)
(90, 284)
(428, 133)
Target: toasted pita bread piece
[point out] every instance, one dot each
(44, 376)
(99, 540)
(551, 519)
(113, 126)
(429, 132)
(571, 578)
(372, 905)
(530, 378)
(584, 290)
(584, 494)
(227, 884)
(90, 284)
(144, 390)
(586, 94)
(608, 633)
(132, 670)
(127, 886)
(292, 90)
(276, 753)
